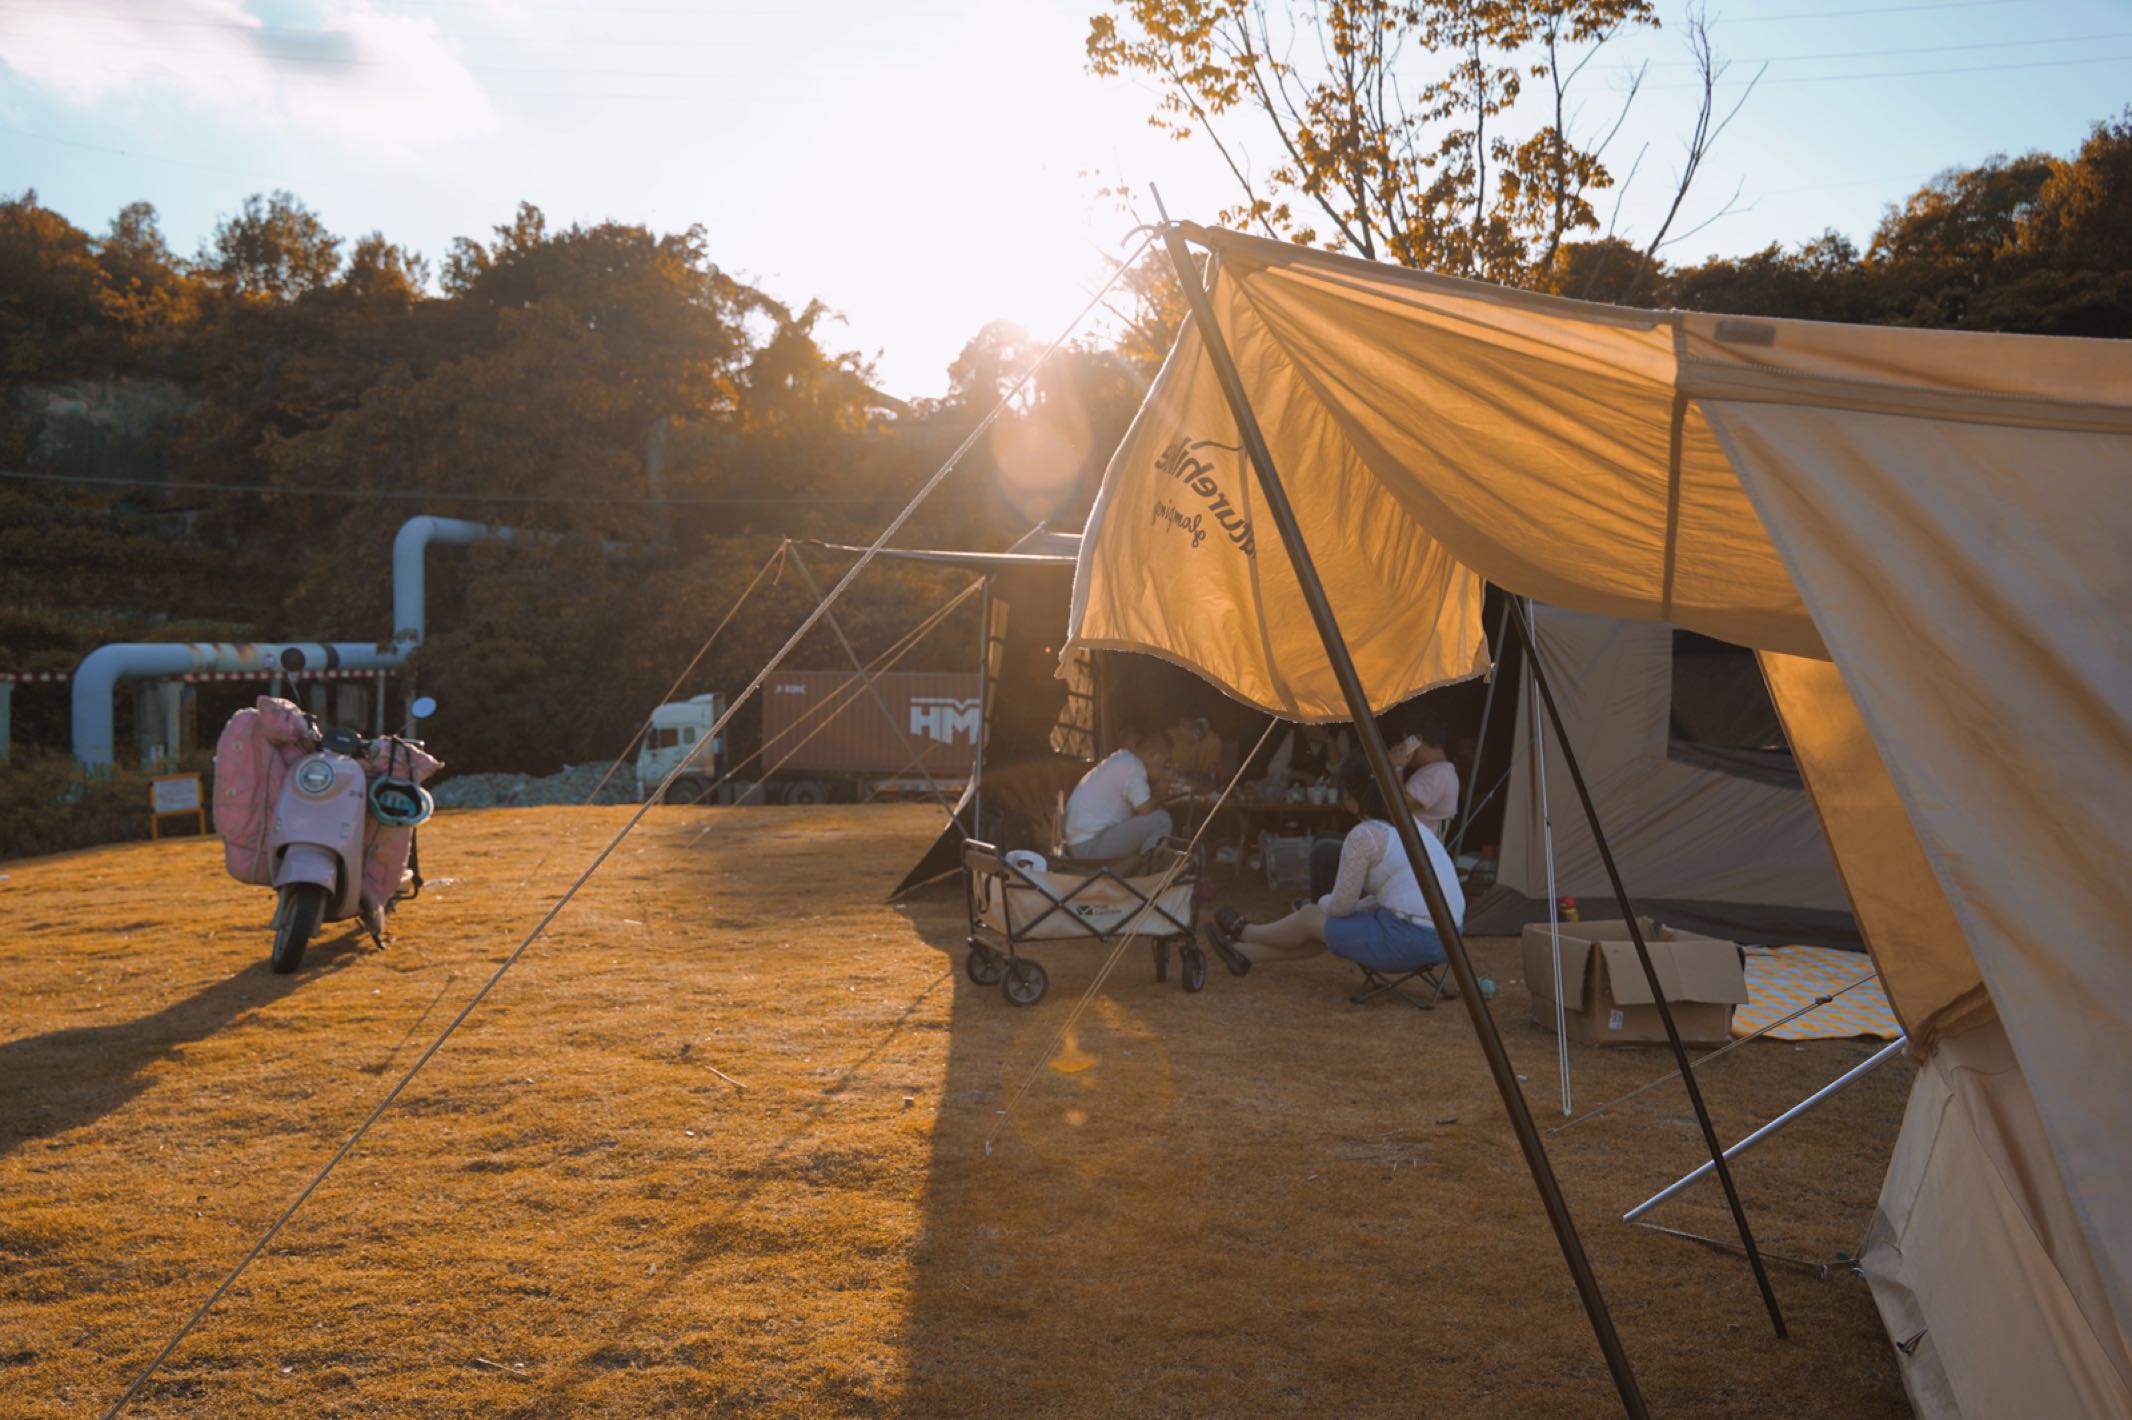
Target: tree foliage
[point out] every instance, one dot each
(657, 425)
(2035, 244)
(653, 423)
(1396, 129)
(274, 249)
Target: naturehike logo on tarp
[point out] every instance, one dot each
(1181, 461)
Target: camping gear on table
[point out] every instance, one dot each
(1152, 895)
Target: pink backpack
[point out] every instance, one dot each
(251, 759)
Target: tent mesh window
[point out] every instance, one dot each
(1722, 716)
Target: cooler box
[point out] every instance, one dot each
(1610, 1001)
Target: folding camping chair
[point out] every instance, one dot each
(1435, 980)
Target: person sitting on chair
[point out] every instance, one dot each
(1195, 750)
(1113, 811)
(1375, 916)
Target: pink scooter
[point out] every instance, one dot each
(339, 842)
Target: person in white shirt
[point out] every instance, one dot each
(1113, 812)
(1375, 916)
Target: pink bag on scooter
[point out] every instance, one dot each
(252, 757)
(385, 845)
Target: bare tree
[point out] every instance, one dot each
(1400, 134)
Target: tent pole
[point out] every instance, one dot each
(1650, 975)
(1388, 784)
(1480, 741)
(1554, 904)
(1863, 1067)
(984, 709)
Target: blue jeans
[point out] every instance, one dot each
(1382, 940)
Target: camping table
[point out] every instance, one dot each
(1254, 816)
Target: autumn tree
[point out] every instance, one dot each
(2036, 243)
(49, 289)
(1399, 130)
(275, 248)
(378, 268)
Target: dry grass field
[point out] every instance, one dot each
(716, 1146)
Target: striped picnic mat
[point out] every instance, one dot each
(1782, 979)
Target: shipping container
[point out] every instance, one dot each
(828, 722)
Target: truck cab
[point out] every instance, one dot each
(677, 733)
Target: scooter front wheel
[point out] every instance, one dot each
(303, 908)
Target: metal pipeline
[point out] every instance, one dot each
(97, 678)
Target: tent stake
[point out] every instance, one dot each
(1388, 783)
(1650, 974)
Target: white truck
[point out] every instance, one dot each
(677, 733)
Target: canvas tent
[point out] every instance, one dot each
(1703, 803)
(1923, 535)
(1022, 614)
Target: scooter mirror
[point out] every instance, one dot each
(423, 707)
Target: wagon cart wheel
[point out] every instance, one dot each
(1024, 982)
(1195, 969)
(984, 965)
(1162, 959)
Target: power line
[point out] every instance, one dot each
(821, 609)
(303, 33)
(122, 152)
(446, 494)
(1925, 73)
(1880, 53)
(334, 62)
(330, 61)
(1876, 10)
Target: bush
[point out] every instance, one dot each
(48, 806)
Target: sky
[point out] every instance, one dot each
(928, 166)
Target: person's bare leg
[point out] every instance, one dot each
(1300, 934)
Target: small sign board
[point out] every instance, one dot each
(173, 794)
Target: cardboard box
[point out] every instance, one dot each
(1608, 997)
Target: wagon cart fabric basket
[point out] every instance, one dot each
(1011, 906)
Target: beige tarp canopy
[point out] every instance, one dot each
(1929, 537)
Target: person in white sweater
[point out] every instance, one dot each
(1375, 916)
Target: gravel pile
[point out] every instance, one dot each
(504, 791)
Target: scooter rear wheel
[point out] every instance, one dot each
(303, 908)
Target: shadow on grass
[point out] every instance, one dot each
(711, 1236)
(1071, 1252)
(65, 1079)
